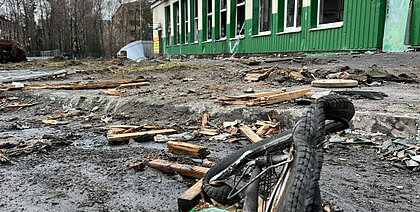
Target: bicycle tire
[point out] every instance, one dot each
(295, 186)
(336, 108)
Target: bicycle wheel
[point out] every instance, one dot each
(326, 108)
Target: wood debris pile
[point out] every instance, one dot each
(279, 74)
(200, 157)
(266, 98)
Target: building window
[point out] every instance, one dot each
(330, 12)
(240, 17)
(185, 15)
(223, 18)
(195, 20)
(168, 25)
(209, 19)
(265, 15)
(177, 25)
(132, 33)
(293, 14)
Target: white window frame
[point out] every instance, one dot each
(293, 28)
(260, 18)
(220, 21)
(329, 25)
(236, 20)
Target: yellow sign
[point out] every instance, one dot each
(155, 41)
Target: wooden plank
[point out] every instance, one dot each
(250, 134)
(206, 131)
(21, 105)
(279, 97)
(256, 95)
(237, 102)
(197, 172)
(253, 77)
(114, 92)
(205, 120)
(122, 126)
(334, 83)
(146, 126)
(128, 136)
(87, 85)
(190, 198)
(183, 148)
(133, 85)
(269, 123)
(262, 130)
(208, 164)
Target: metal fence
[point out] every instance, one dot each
(147, 48)
(51, 53)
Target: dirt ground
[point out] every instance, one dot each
(78, 170)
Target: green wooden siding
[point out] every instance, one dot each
(415, 24)
(362, 30)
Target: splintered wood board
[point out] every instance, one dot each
(334, 83)
(127, 136)
(190, 198)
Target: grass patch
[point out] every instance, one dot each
(169, 66)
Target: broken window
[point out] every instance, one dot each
(240, 17)
(223, 17)
(265, 16)
(209, 18)
(168, 25)
(177, 25)
(330, 11)
(195, 20)
(185, 15)
(293, 14)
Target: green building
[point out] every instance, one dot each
(267, 26)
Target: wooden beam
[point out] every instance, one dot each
(334, 83)
(279, 97)
(87, 85)
(250, 134)
(183, 148)
(190, 198)
(256, 95)
(133, 85)
(206, 131)
(197, 172)
(128, 136)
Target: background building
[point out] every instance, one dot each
(126, 22)
(263, 26)
(5, 28)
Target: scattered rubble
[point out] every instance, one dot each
(266, 98)
(189, 142)
(10, 51)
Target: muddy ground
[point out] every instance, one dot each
(78, 170)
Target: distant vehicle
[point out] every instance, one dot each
(10, 51)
